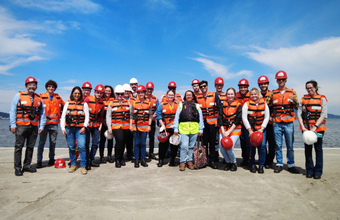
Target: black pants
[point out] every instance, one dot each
(244, 148)
(120, 135)
(163, 147)
(209, 140)
(102, 143)
(270, 153)
(128, 143)
(28, 133)
(152, 137)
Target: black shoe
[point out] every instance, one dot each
(29, 169)
(223, 161)
(122, 163)
(228, 167)
(152, 156)
(261, 169)
(39, 165)
(118, 165)
(110, 159)
(317, 177)
(18, 172)
(309, 175)
(129, 158)
(278, 169)
(136, 163)
(93, 164)
(293, 170)
(88, 166)
(160, 163)
(244, 163)
(172, 162)
(253, 169)
(51, 162)
(102, 160)
(212, 165)
(143, 163)
(268, 166)
(233, 167)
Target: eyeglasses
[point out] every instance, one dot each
(309, 88)
(203, 86)
(119, 94)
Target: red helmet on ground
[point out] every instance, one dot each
(141, 88)
(227, 143)
(263, 79)
(99, 88)
(60, 163)
(150, 85)
(172, 84)
(163, 137)
(195, 81)
(86, 85)
(30, 79)
(243, 82)
(219, 81)
(281, 75)
(256, 138)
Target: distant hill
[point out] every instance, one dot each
(333, 116)
(4, 115)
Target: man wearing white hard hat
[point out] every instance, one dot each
(134, 85)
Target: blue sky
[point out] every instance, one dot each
(111, 41)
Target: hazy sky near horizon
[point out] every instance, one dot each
(111, 41)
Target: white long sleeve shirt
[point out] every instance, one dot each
(63, 116)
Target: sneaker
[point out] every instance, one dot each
(278, 169)
(309, 175)
(293, 170)
(317, 177)
(72, 168)
(83, 170)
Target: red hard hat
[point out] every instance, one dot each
(163, 137)
(243, 82)
(256, 138)
(60, 163)
(99, 88)
(30, 79)
(227, 143)
(86, 85)
(195, 81)
(141, 88)
(172, 84)
(150, 85)
(281, 75)
(263, 79)
(219, 80)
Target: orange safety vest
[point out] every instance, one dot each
(153, 101)
(120, 114)
(168, 114)
(283, 110)
(52, 108)
(141, 115)
(95, 109)
(223, 97)
(229, 116)
(242, 99)
(208, 106)
(25, 107)
(256, 113)
(314, 108)
(178, 97)
(75, 115)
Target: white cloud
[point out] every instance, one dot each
(160, 4)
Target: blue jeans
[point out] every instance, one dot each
(140, 144)
(52, 130)
(93, 131)
(317, 169)
(72, 135)
(187, 146)
(286, 129)
(252, 150)
(229, 155)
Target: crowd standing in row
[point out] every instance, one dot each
(130, 112)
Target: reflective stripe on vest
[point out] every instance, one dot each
(208, 107)
(283, 108)
(75, 115)
(25, 107)
(313, 106)
(256, 113)
(52, 108)
(229, 116)
(141, 115)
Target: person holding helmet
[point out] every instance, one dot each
(172, 86)
(154, 103)
(86, 88)
(283, 101)
(73, 123)
(263, 83)
(255, 117)
(229, 120)
(165, 116)
(196, 87)
(243, 96)
(129, 140)
(109, 96)
(118, 122)
(134, 85)
(312, 116)
(53, 105)
(96, 109)
(27, 119)
(189, 123)
(140, 124)
(209, 103)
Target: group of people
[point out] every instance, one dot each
(130, 113)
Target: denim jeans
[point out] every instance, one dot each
(94, 133)
(52, 131)
(187, 147)
(140, 144)
(317, 169)
(72, 135)
(252, 150)
(286, 129)
(229, 155)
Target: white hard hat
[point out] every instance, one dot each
(127, 87)
(309, 137)
(107, 135)
(119, 89)
(133, 80)
(175, 139)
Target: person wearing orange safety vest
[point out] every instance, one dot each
(243, 96)
(210, 103)
(219, 84)
(172, 86)
(196, 87)
(282, 103)
(53, 105)
(96, 109)
(27, 120)
(140, 124)
(229, 120)
(129, 140)
(109, 96)
(312, 116)
(263, 83)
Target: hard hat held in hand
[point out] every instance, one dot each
(309, 137)
(227, 143)
(107, 135)
(175, 139)
(256, 138)
(163, 137)
(60, 163)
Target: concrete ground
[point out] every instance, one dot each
(166, 193)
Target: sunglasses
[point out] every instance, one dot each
(203, 86)
(118, 94)
(281, 80)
